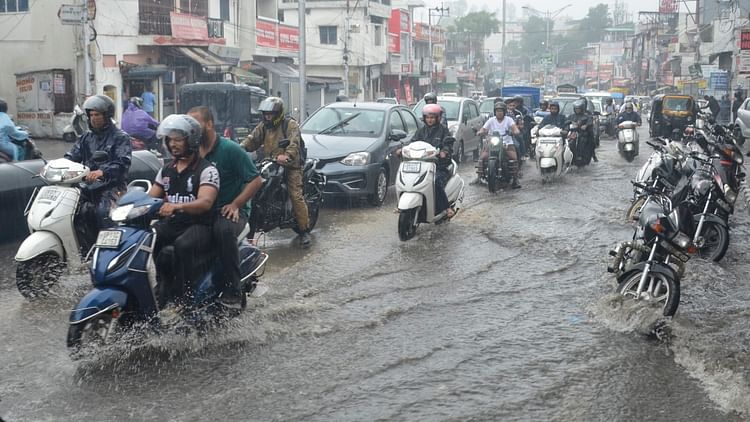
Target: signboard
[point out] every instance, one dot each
(405, 67)
(743, 63)
(394, 43)
(188, 27)
(695, 71)
(745, 40)
(719, 80)
(399, 21)
(265, 33)
(288, 37)
(668, 6)
(70, 14)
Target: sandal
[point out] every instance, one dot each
(450, 212)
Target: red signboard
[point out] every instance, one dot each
(288, 37)
(668, 6)
(394, 43)
(399, 21)
(745, 40)
(188, 27)
(265, 33)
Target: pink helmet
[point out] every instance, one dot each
(432, 109)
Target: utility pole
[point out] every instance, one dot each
(502, 53)
(86, 58)
(346, 50)
(440, 10)
(302, 59)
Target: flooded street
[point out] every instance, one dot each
(505, 313)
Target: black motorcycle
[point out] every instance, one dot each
(580, 144)
(272, 207)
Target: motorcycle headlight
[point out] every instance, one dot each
(52, 174)
(128, 212)
(356, 159)
(730, 194)
(495, 140)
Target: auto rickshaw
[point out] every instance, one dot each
(234, 106)
(670, 112)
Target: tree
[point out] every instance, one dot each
(482, 22)
(590, 29)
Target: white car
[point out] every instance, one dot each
(743, 121)
(464, 121)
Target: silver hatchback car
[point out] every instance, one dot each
(743, 121)
(464, 121)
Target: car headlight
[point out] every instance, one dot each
(356, 159)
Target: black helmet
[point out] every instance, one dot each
(137, 101)
(273, 105)
(544, 102)
(554, 104)
(341, 98)
(3, 105)
(430, 98)
(581, 103)
(518, 99)
(501, 106)
(101, 104)
(182, 126)
(629, 106)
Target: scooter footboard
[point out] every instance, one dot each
(97, 302)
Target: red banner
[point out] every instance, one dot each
(745, 40)
(288, 38)
(265, 33)
(188, 27)
(394, 43)
(668, 6)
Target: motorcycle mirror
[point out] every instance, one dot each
(284, 143)
(397, 135)
(100, 157)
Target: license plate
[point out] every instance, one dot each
(108, 239)
(49, 194)
(412, 167)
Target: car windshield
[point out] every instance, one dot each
(676, 104)
(351, 121)
(451, 109)
(487, 106)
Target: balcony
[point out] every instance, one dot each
(161, 24)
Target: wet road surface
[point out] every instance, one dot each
(505, 313)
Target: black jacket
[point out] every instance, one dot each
(434, 136)
(114, 142)
(554, 120)
(625, 116)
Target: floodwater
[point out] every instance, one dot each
(505, 313)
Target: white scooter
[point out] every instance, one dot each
(553, 157)
(78, 125)
(415, 188)
(627, 140)
(62, 229)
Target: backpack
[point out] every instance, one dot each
(302, 147)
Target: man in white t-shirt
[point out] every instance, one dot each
(506, 127)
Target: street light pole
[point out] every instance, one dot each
(440, 10)
(302, 59)
(502, 53)
(548, 17)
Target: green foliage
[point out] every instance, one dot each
(588, 30)
(478, 23)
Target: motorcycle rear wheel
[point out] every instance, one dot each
(629, 156)
(406, 227)
(716, 239)
(492, 182)
(35, 277)
(665, 290)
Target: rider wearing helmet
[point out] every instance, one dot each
(543, 109)
(431, 98)
(189, 184)
(435, 134)
(586, 125)
(629, 114)
(275, 128)
(8, 133)
(139, 124)
(103, 135)
(554, 117)
(506, 127)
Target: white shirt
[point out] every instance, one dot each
(504, 128)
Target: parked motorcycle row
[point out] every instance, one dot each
(683, 198)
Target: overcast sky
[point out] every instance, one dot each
(577, 10)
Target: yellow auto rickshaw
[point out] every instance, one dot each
(671, 112)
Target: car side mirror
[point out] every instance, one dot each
(397, 135)
(284, 143)
(100, 157)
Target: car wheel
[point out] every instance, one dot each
(377, 198)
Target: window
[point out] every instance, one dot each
(466, 113)
(378, 35)
(396, 122)
(13, 6)
(411, 122)
(224, 10)
(473, 110)
(328, 35)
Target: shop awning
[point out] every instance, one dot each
(144, 72)
(210, 62)
(329, 82)
(246, 76)
(281, 69)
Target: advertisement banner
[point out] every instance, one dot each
(743, 63)
(188, 27)
(265, 33)
(394, 43)
(288, 37)
(745, 39)
(668, 6)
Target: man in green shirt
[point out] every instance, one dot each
(241, 181)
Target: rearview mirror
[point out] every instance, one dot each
(397, 135)
(100, 157)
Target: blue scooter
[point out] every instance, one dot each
(124, 276)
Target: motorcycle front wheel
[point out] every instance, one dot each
(716, 238)
(492, 182)
(406, 226)
(660, 289)
(35, 277)
(635, 208)
(94, 332)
